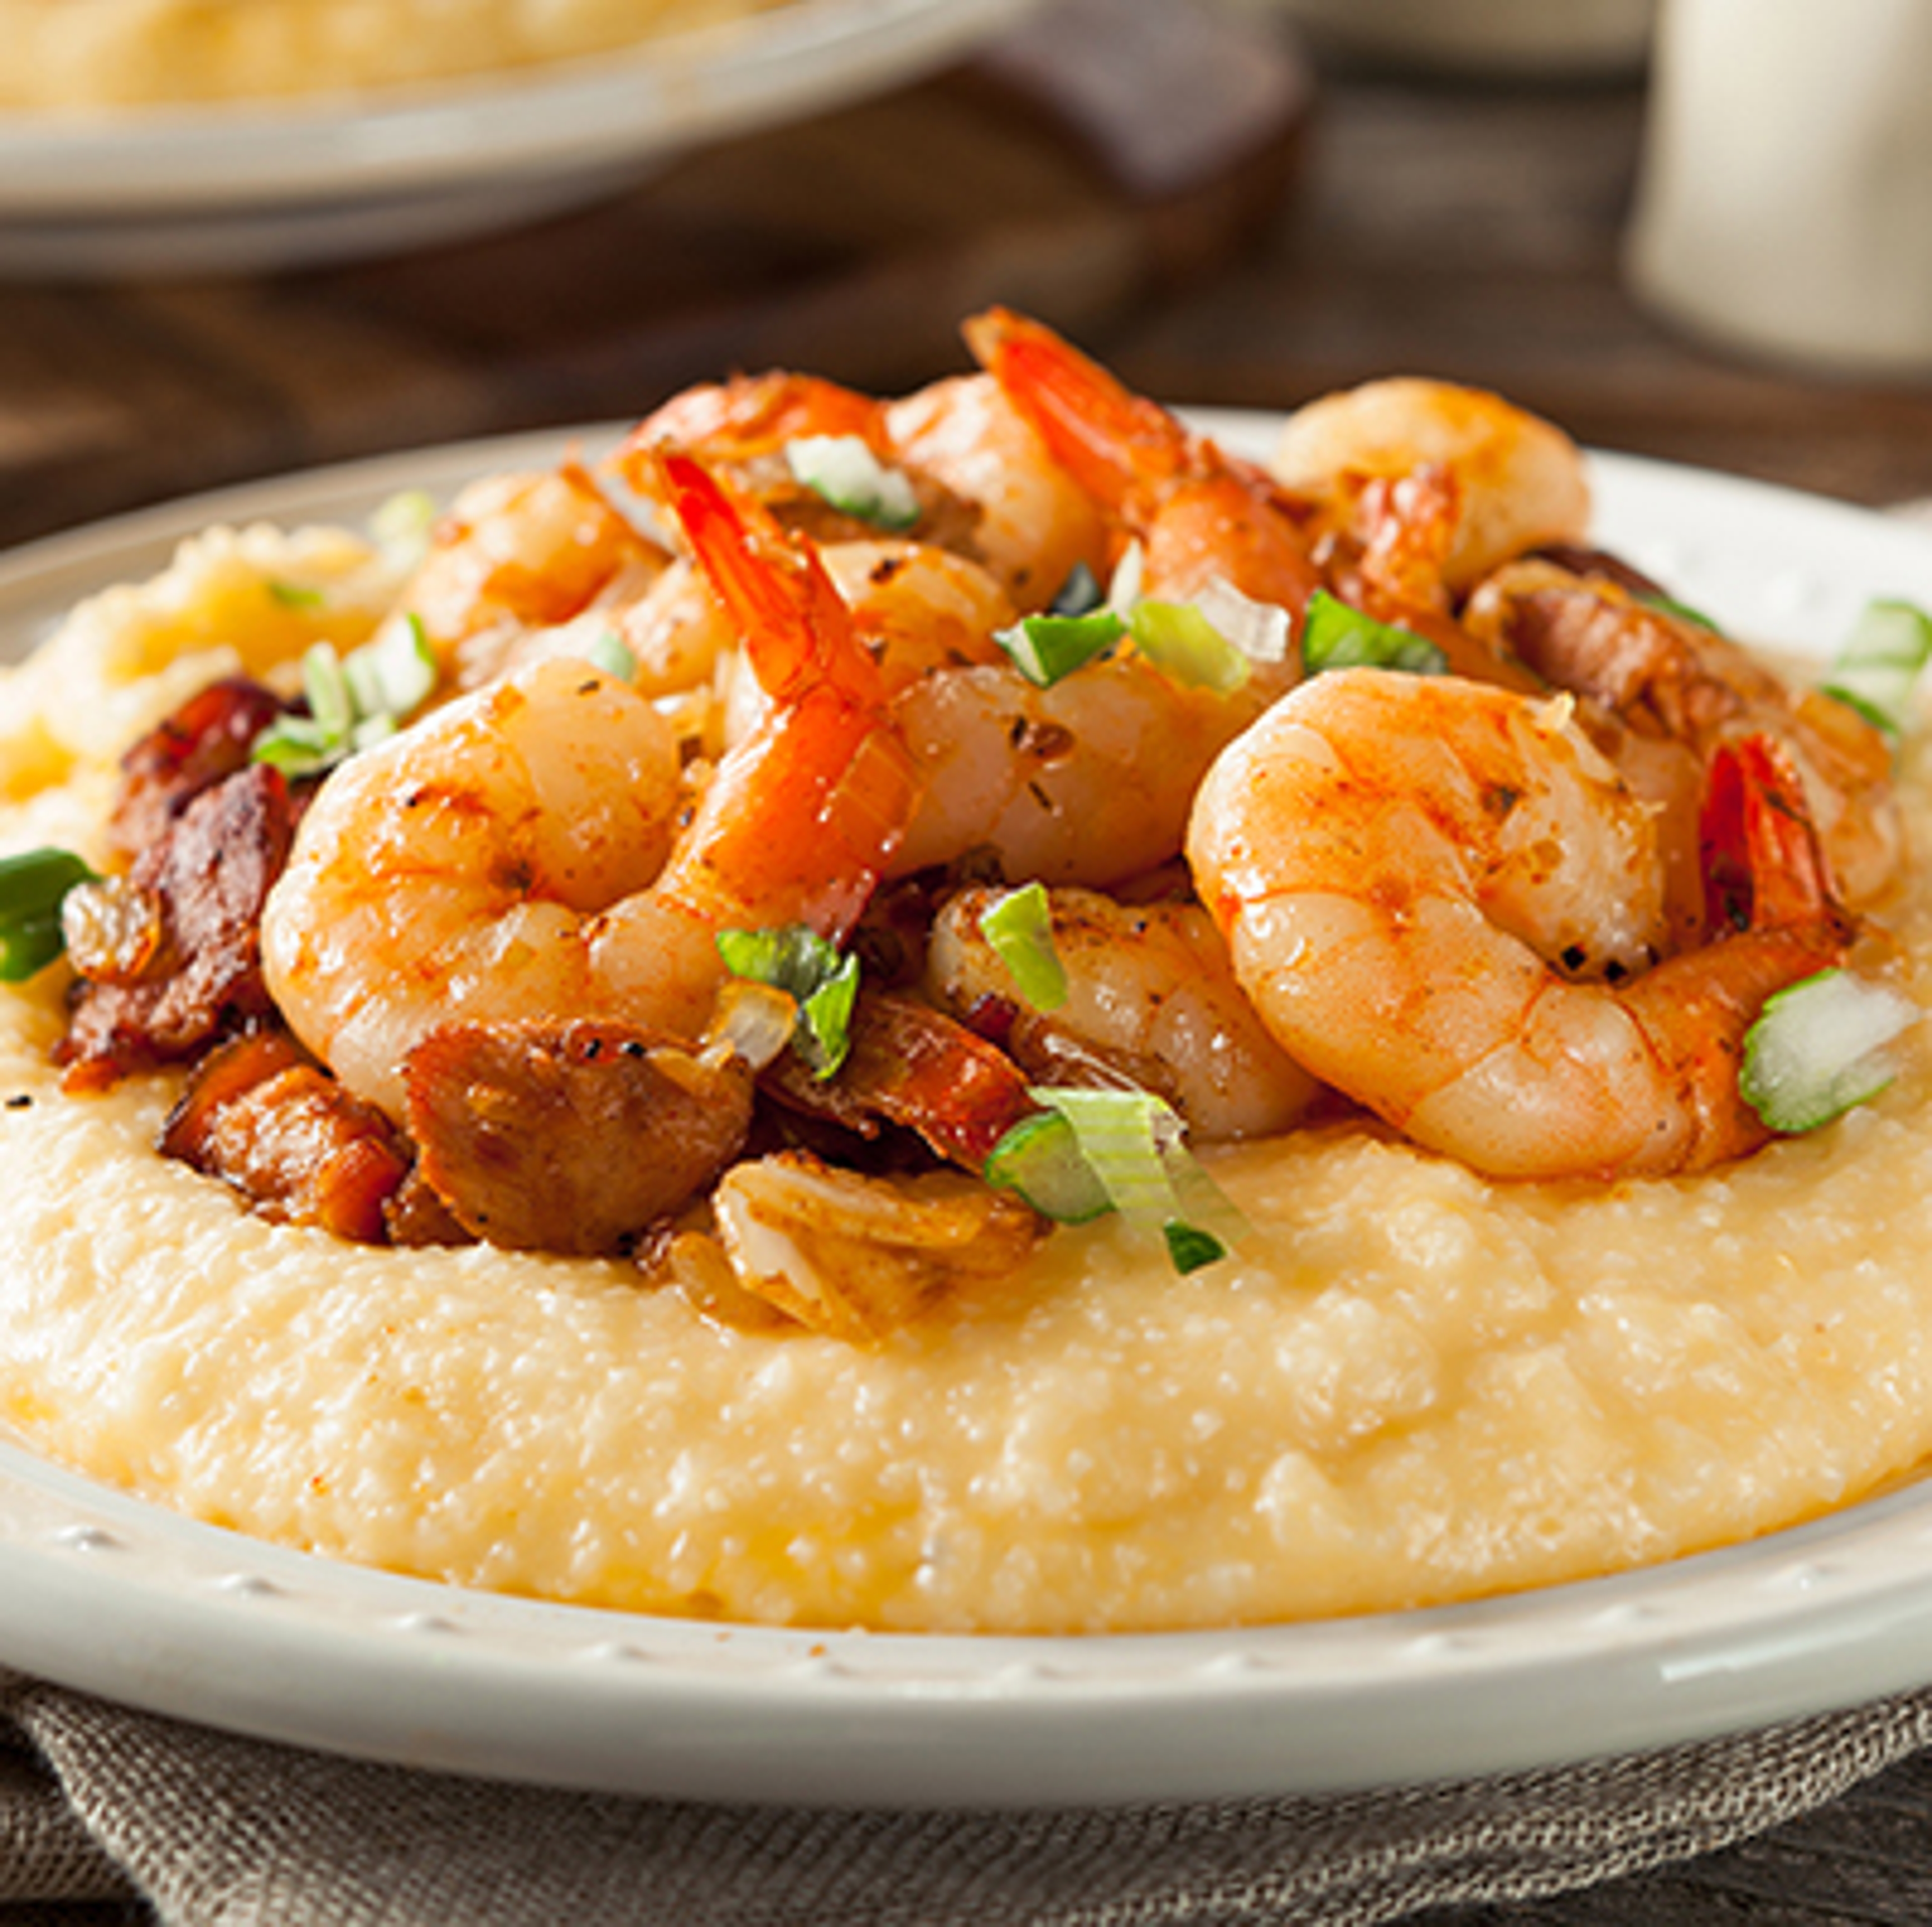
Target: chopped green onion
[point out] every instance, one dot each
(393, 675)
(33, 887)
(1879, 664)
(1190, 1247)
(1821, 1046)
(296, 596)
(615, 656)
(844, 471)
(1019, 927)
(1135, 1143)
(402, 524)
(1045, 649)
(353, 702)
(1040, 1158)
(1334, 636)
(1181, 642)
(1080, 594)
(332, 702)
(823, 983)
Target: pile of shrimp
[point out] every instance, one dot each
(1521, 912)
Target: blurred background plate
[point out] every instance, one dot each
(252, 184)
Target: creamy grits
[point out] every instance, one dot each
(69, 54)
(1414, 1385)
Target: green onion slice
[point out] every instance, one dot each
(354, 702)
(1820, 1047)
(842, 471)
(402, 523)
(1135, 1144)
(1879, 667)
(33, 887)
(1019, 927)
(613, 654)
(1041, 1160)
(1180, 641)
(1334, 636)
(295, 595)
(1190, 1247)
(1045, 649)
(823, 984)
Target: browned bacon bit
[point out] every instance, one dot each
(911, 1065)
(210, 873)
(207, 739)
(575, 1138)
(263, 1117)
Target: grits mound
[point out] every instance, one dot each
(1417, 1386)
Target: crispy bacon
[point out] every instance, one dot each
(575, 1138)
(911, 1065)
(261, 1116)
(209, 874)
(208, 738)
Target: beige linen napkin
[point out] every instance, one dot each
(96, 1802)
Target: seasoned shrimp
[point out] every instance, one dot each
(522, 552)
(517, 854)
(1444, 902)
(984, 482)
(1671, 681)
(1199, 515)
(1516, 482)
(1151, 999)
(1089, 782)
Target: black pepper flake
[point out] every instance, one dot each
(20, 1100)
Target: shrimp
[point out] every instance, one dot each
(986, 488)
(1151, 1000)
(518, 855)
(1444, 902)
(521, 552)
(1199, 514)
(1668, 680)
(1516, 482)
(1090, 781)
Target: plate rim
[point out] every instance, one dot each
(114, 1595)
(583, 114)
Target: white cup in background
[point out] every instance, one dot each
(1785, 206)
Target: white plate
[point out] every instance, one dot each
(102, 1591)
(251, 184)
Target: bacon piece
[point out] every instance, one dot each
(211, 874)
(912, 1065)
(208, 738)
(263, 1117)
(575, 1138)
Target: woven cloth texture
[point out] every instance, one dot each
(97, 1802)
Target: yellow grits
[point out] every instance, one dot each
(1413, 1386)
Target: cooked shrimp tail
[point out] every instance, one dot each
(804, 815)
(1764, 864)
(1199, 513)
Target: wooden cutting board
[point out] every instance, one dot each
(1104, 152)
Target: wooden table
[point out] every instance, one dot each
(1402, 226)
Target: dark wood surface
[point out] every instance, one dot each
(1402, 226)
